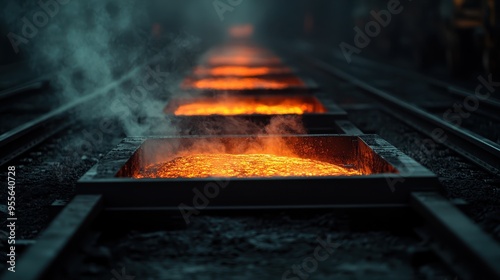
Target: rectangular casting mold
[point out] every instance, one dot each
(390, 176)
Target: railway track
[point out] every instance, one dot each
(28, 135)
(454, 103)
(489, 106)
(15, 91)
(456, 240)
(485, 153)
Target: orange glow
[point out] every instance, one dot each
(243, 60)
(242, 165)
(248, 106)
(241, 31)
(228, 83)
(240, 50)
(241, 71)
(241, 55)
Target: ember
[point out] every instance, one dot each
(242, 165)
(241, 71)
(228, 83)
(249, 106)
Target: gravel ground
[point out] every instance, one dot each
(459, 178)
(25, 107)
(266, 247)
(48, 173)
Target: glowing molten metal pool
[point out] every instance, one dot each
(241, 71)
(228, 83)
(255, 172)
(249, 106)
(242, 60)
(242, 166)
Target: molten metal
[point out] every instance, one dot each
(243, 60)
(241, 71)
(242, 166)
(228, 83)
(249, 106)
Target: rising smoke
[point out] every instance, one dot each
(90, 46)
(116, 46)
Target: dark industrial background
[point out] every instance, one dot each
(88, 46)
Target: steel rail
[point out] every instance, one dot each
(476, 255)
(63, 234)
(24, 137)
(490, 105)
(23, 87)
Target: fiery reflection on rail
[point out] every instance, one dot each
(242, 166)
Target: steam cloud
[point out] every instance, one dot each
(161, 151)
(91, 45)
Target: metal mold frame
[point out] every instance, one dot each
(334, 121)
(310, 86)
(292, 72)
